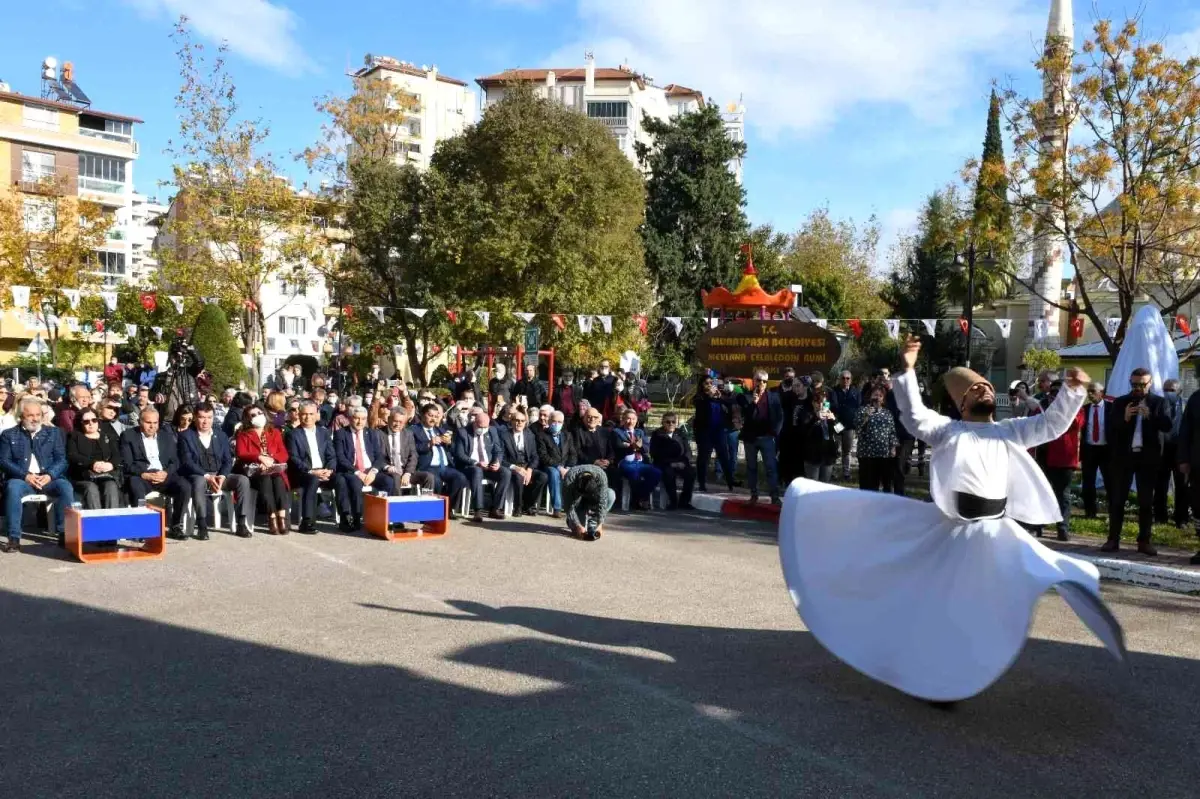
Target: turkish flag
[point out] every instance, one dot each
(1181, 322)
(452, 316)
(348, 311)
(855, 327)
(1077, 327)
(559, 320)
(379, 349)
(98, 324)
(149, 301)
(643, 322)
(962, 324)
(436, 349)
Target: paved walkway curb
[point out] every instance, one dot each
(1145, 575)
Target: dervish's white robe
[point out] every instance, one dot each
(914, 595)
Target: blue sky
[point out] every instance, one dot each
(862, 105)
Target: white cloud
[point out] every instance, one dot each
(894, 226)
(800, 64)
(257, 30)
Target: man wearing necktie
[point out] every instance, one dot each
(402, 455)
(432, 442)
(1134, 430)
(1093, 446)
(1169, 467)
(360, 463)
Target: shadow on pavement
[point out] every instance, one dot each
(101, 704)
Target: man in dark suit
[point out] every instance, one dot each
(434, 455)
(521, 459)
(1170, 460)
(671, 453)
(1135, 427)
(312, 462)
(593, 444)
(1093, 445)
(361, 458)
(206, 461)
(762, 421)
(478, 454)
(402, 455)
(556, 451)
(531, 388)
(1188, 455)
(150, 461)
(33, 458)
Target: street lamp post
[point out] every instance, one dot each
(988, 260)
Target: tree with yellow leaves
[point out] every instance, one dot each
(1108, 161)
(235, 223)
(48, 242)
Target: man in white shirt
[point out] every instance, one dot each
(311, 462)
(360, 462)
(150, 461)
(206, 461)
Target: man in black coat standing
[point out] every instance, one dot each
(1135, 427)
(1188, 454)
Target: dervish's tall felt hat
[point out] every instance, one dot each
(959, 381)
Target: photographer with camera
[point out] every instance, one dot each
(177, 384)
(587, 500)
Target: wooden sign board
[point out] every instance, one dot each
(737, 349)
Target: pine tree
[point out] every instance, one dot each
(991, 222)
(216, 344)
(695, 217)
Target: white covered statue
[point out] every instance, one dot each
(935, 599)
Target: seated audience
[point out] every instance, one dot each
(34, 461)
(94, 462)
(633, 459)
(206, 460)
(671, 453)
(556, 449)
(402, 455)
(361, 458)
(479, 455)
(434, 454)
(593, 444)
(311, 462)
(150, 462)
(262, 457)
(182, 419)
(521, 459)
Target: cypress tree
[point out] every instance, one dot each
(216, 344)
(991, 222)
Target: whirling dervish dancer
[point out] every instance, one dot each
(936, 599)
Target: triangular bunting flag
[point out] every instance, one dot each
(1041, 328)
(930, 326)
(524, 317)
(559, 320)
(1077, 326)
(585, 323)
(210, 300)
(177, 302)
(606, 323)
(712, 323)
(98, 325)
(110, 300)
(418, 312)
(72, 296)
(397, 351)
(1005, 326)
(348, 311)
(20, 296)
(149, 301)
(823, 324)
(452, 316)
(316, 346)
(1111, 324)
(295, 342)
(130, 330)
(643, 322)
(157, 332)
(893, 327)
(675, 322)
(377, 311)
(72, 323)
(855, 326)
(1182, 323)
(485, 317)
(963, 324)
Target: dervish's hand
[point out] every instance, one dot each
(912, 348)
(1076, 377)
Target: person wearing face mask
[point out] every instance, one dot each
(556, 454)
(262, 456)
(1136, 424)
(600, 389)
(1169, 468)
(33, 458)
(935, 598)
(500, 388)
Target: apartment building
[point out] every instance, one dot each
(444, 106)
(618, 97)
(139, 225)
(56, 144)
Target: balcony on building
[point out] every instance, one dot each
(113, 130)
(612, 113)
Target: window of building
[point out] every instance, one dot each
(292, 325)
(36, 166)
(111, 267)
(102, 167)
(40, 118)
(621, 141)
(39, 215)
(611, 113)
(118, 128)
(292, 289)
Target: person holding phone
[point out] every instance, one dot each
(1135, 425)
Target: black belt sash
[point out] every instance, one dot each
(973, 507)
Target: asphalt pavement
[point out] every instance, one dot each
(510, 660)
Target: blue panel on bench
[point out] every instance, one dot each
(109, 525)
(416, 509)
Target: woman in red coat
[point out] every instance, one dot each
(262, 456)
(1062, 459)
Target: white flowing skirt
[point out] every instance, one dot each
(933, 606)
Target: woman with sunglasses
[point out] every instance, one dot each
(262, 456)
(182, 419)
(94, 461)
